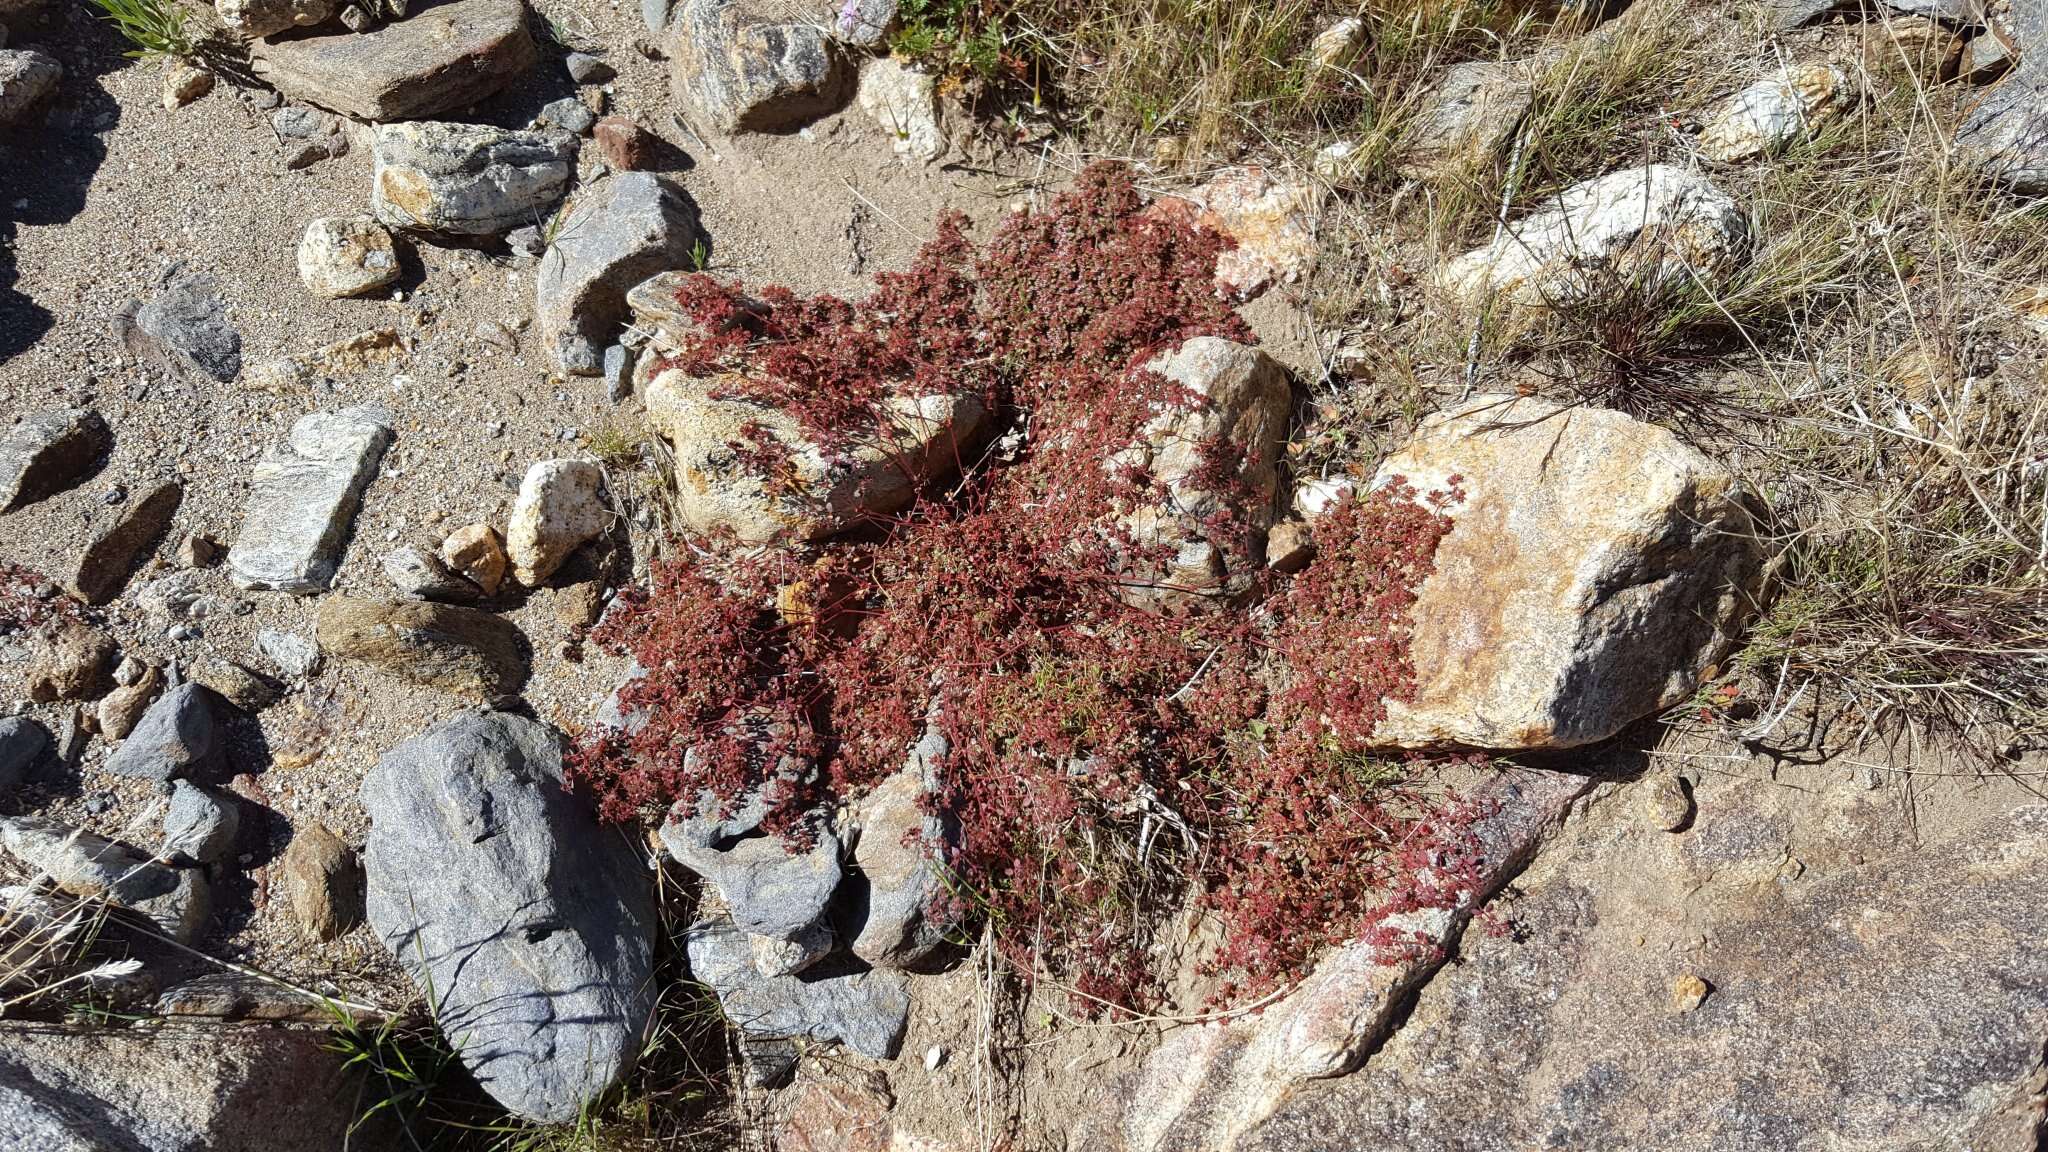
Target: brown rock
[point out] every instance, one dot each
(456, 649)
(237, 684)
(1290, 546)
(438, 59)
(1688, 992)
(198, 551)
(124, 542)
(834, 1115)
(234, 996)
(323, 882)
(475, 552)
(1595, 568)
(577, 605)
(1669, 805)
(120, 709)
(49, 452)
(623, 145)
(71, 663)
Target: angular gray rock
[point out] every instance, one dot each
(421, 575)
(864, 1009)
(200, 823)
(1466, 119)
(897, 857)
(186, 323)
(771, 892)
(2005, 134)
(178, 1088)
(585, 68)
(864, 22)
(290, 653)
(80, 863)
(468, 179)
(747, 67)
(460, 650)
(620, 232)
(444, 57)
(48, 452)
(23, 744)
(176, 737)
(567, 114)
(130, 534)
(532, 924)
(303, 500)
(26, 76)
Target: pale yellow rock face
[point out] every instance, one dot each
(1770, 115)
(814, 492)
(558, 511)
(1594, 569)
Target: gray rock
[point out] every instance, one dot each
(186, 323)
(747, 67)
(26, 76)
(446, 57)
(526, 241)
(420, 575)
(300, 122)
(866, 1010)
(468, 179)
(201, 823)
(80, 863)
(655, 14)
(233, 995)
(49, 452)
(533, 925)
(23, 744)
(618, 373)
(864, 22)
(291, 654)
(617, 234)
(175, 737)
(568, 114)
(587, 69)
(342, 256)
(322, 880)
(2005, 136)
(178, 1088)
(303, 500)
(128, 537)
(455, 649)
(770, 891)
(896, 860)
(1466, 119)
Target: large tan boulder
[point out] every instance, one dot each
(753, 470)
(1595, 567)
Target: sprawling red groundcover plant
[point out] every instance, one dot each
(1103, 758)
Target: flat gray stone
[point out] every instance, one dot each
(747, 67)
(130, 534)
(2005, 136)
(443, 57)
(771, 892)
(468, 179)
(864, 22)
(49, 452)
(186, 324)
(897, 858)
(303, 500)
(533, 925)
(864, 1009)
(291, 654)
(622, 231)
(568, 114)
(176, 737)
(80, 863)
(201, 823)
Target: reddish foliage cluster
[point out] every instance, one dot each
(1102, 757)
(28, 601)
